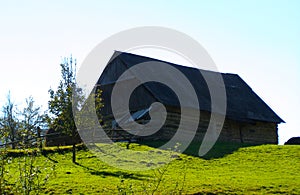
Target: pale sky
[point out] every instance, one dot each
(259, 40)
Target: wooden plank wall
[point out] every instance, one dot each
(256, 132)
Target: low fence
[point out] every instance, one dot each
(37, 140)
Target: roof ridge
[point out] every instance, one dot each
(120, 53)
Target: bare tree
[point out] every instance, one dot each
(31, 120)
(9, 122)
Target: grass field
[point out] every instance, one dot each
(266, 169)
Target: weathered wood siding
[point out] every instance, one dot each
(256, 132)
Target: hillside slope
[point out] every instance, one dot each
(262, 169)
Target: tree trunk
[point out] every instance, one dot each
(73, 147)
(74, 153)
(13, 144)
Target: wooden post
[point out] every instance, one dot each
(39, 140)
(241, 133)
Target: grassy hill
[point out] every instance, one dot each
(266, 169)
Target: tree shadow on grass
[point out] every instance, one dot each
(49, 158)
(119, 174)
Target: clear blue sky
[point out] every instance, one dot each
(259, 40)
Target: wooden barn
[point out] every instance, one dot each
(248, 118)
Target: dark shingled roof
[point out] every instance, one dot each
(243, 104)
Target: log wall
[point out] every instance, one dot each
(256, 132)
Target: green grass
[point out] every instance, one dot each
(266, 169)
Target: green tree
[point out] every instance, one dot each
(60, 103)
(85, 115)
(68, 100)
